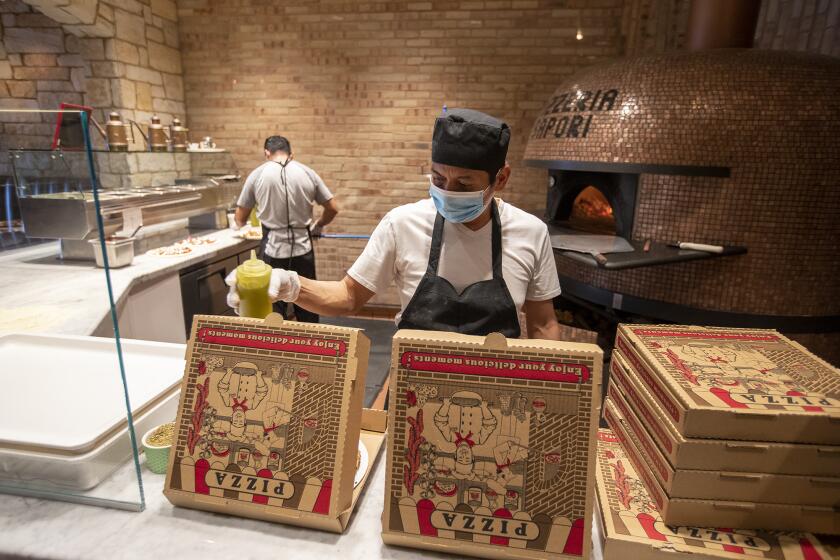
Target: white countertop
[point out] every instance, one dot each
(35, 528)
(31, 527)
(40, 293)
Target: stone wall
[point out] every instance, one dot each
(40, 66)
(656, 26)
(109, 54)
(799, 25)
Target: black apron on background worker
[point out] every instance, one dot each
(302, 264)
(283, 192)
(480, 309)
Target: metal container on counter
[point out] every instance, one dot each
(118, 132)
(158, 141)
(120, 251)
(178, 136)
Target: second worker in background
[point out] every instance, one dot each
(284, 192)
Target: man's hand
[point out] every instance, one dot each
(240, 217)
(317, 230)
(284, 285)
(541, 321)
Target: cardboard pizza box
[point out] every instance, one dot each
(724, 513)
(722, 485)
(629, 525)
(491, 448)
(832, 544)
(742, 384)
(271, 424)
(718, 454)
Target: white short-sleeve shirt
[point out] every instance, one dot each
(398, 250)
(264, 188)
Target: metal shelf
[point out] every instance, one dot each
(658, 255)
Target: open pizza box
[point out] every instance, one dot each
(270, 423)
(491, 448)
(742, 384)
(717, 513)
(628, 524)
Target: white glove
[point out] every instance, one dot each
(317, 230)
(232, 222)
(284, 285)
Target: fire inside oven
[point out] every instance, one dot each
(592, 202)
(592, 212)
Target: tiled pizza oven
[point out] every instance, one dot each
(733, 147)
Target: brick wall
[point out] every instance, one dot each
(654, 26)
(560, 495)
(799, 25)
(356, 86)
(135, 62)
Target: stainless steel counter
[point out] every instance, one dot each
(72, 215)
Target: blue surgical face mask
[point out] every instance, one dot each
(459, 207)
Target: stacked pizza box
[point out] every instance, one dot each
(736, 428)
(628, 525)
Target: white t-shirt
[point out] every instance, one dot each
(264, 188)
(399, 248)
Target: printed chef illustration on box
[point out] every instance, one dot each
(741, 369)
(490, 447)
(260, 417)
(629, 517)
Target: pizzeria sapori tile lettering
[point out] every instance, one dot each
(570, 114)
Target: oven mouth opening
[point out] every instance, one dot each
(592, 202)
(591, 212)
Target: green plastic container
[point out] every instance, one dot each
(252, 278)
(252, 218)
(157, 457)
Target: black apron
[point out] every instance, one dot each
(482, 308)
(290, 229)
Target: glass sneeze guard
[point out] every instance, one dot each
(74, 406)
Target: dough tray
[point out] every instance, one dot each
(62, 410)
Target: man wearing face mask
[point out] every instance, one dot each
(463, 261)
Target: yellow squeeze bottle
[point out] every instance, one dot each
(252, 278)
(252, 218)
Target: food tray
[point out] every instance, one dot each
(62, 411)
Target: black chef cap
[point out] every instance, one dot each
(472, 140)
